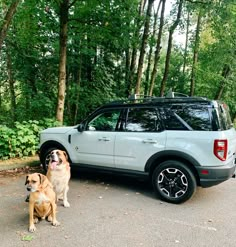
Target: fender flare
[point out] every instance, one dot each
(167, 155)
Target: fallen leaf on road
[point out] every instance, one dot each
(27, 238)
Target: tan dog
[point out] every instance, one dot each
(59, 174)
(42, 200)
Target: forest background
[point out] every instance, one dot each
(61, 59)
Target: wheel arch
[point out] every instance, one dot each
(160, 157)
(51, 144)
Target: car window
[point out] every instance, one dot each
(224, 117)
(106, 121)
(142, 120)
(171, 120)
(194, 117)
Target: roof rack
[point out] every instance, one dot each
(171, 94)
(170, 97)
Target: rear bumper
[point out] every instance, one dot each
(215, 175)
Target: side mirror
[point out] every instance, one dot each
(80, 127)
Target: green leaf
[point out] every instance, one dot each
(27, 238)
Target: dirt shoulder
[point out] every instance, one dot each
(19, 163)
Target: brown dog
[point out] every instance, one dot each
(59, 174)
(42, 200)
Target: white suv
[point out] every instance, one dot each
(178, 143)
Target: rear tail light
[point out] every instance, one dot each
(221, 149)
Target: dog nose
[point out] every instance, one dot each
(28, 188)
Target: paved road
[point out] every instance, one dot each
(109, 211)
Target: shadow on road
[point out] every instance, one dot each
(134, 184)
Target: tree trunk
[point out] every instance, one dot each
(143, 46)
(78, 79)
(150, 55)
(225, 74)
(185, 52)
(134, 50)
(127, 71)
(11, 86)
(158, 48)
(169, 48)
(64, 8)
(7, 20)
(195, 54)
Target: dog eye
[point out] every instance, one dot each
(33, 181)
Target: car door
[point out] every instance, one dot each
(141, 137)
(95, 145)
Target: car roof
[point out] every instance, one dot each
(152, 101)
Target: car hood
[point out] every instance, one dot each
(57, 130)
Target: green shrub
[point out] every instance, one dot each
(23, 139)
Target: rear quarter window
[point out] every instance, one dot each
(190, 117)
(223, 115)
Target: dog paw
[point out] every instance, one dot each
(49, 218)
(36, 220)
(32, 228)
(66, 204)
(55, 223)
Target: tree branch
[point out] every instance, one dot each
(200, 2)
(70, 5)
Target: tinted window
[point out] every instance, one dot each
(106, 121)
(142, 120)
(171, 121)
(224, 117)
(193, 117)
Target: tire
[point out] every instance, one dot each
(173, 181)
(44, 157)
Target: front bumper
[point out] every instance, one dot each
(216, 174)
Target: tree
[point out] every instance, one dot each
(195, 53)
(7, 20)
(186, 49)
(158, 48)
(98, 55)
(225, 74)
(143, 46)
(63, 15)
(11, 85)
(150, 55)
(168, 53)
(135, 47)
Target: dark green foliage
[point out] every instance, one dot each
(23, 138)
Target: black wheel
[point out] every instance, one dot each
(173, 181)
(44, 157)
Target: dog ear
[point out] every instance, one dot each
(43, 180)
(26, 182)
(65, 155)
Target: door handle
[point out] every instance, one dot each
(105, 139)
(149, 141)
